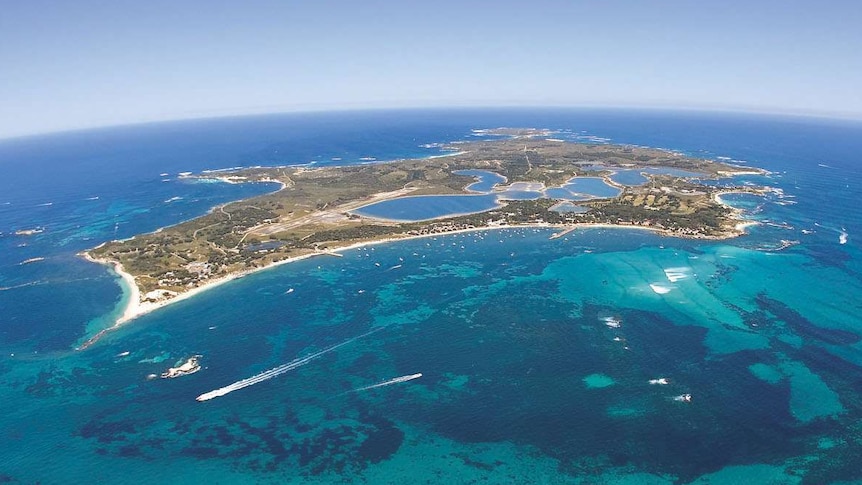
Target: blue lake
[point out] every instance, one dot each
(520, 195)
(593, 186)
(629, 177)
(674, 172)
(486, 180)
(563, 194)
(632, 177)
(425, 207)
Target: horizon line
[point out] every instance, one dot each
(766, 112)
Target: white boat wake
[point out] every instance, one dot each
(397, 380)
(275, 371)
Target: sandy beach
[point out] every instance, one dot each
(136, 308)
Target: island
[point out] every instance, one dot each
(523, 176)
(183, 368)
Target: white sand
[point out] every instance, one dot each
(136, 308)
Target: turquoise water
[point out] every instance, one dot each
(536, 354)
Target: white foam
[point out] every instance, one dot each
(611, 322)
(660, 289)
(675, 274)
(216, 170)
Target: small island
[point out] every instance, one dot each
(183, 368)
(525, 176)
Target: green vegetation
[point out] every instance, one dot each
(312, 212)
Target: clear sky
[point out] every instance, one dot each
(82, 63)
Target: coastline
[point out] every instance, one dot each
(742, 224)
(135, 308)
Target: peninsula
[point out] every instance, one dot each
(319, 210)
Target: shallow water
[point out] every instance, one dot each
(536, 355)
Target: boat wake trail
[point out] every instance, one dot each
(389, 382)
(276, 371)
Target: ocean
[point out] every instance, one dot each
(605, 356)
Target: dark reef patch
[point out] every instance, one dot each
(381, 443)
(802, 326)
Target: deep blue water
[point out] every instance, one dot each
(510, 330)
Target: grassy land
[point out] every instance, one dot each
(313, 210)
